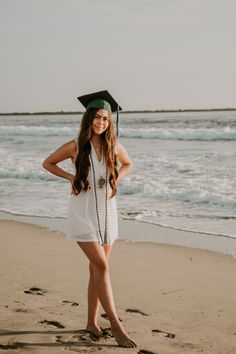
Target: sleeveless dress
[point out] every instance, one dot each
(82, 223)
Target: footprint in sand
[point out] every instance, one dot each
(85, 337)
(104, 315)
(137, 311)
(35, 291)
(13, 345)
(70, 302)
(166, 334)
(52, 323)
(21, 310)
(77, 341)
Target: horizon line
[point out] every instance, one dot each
(124, 111)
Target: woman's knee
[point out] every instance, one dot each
(97, 257)
(100, 267)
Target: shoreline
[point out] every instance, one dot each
(139, 232)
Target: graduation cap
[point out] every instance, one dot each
(101, 99)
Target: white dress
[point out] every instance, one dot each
(82, 217)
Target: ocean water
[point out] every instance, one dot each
(184, 173)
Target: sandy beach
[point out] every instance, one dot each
(171, 299)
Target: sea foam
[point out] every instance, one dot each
(187, 134)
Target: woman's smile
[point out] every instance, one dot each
(100, 121)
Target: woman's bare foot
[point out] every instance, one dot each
(94, 330)
(120, 335)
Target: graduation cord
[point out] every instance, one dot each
(104, 241)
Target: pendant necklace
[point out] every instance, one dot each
(101, 182)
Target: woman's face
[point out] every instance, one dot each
(101, 121)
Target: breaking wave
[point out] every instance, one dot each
(225, 133)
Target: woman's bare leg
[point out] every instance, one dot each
(93, 301)
(97, 256)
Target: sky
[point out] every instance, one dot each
(149, 54)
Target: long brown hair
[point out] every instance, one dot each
(82, 162)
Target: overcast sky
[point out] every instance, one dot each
(150, 54)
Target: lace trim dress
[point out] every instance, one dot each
(82, 224)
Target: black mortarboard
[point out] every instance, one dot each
(101, 99)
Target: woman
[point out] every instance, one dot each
(92, 214)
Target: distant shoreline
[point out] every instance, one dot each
(128, 111)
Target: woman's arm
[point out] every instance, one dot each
(64, 152)
(124, 159)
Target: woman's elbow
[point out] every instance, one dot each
(130, 166)
(45, 164)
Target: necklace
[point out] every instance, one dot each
(102, 182)
(97, 148)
